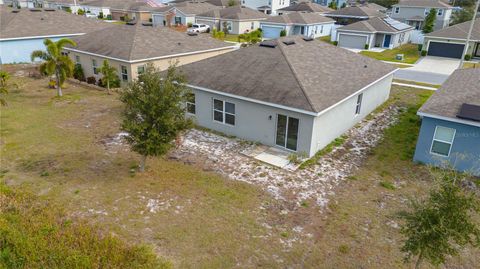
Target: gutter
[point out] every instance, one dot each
(38, 37)
(466, 122)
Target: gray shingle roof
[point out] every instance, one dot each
(234, 13)
(374, 25)
(356, 11)
(188, 7)
(28, 23)
(307, 7)
(463, 86)
(309, 75)
(137, 42)
(299, 18)
(423, 3)
(459, 31)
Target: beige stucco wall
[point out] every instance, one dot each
(143, 16)
(86, 62)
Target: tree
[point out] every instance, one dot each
(109, 74)
(154, 112)
(441, 224)
(430, 21)
(333, 5)
(344, 5)
(463, 15)
(4, 86)
(232, 3)
(54, 62)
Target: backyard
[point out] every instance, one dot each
(70, 152)
(410, 52)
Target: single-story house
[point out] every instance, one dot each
(269, 7)
(339, 3)
(450, 131)
(296, 23)
(130, 47)
(182, 13)
(128, 10)
(450, 41)
(374, 32)
(23, 31)
(95, 7)
(236, 19)
(307, 7)
(289, 93)
(349, 15)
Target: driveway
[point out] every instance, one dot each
(430, 69)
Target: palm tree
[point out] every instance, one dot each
(4, 85)
(109, 74)
(54, 62)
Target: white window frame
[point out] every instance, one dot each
(77, 59)
(358, 107)
(224, 112)
(397, 10)
(441, 141)
(94, 67)
(440, 12)
(194, 104)
(252, 25)
(124, 74)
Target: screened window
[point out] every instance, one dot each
(77, 59)
(440, 12)
(140, 70)
(442, 141)
(94, 66)
(359, 104)
(124, 73)
(223, 112)
(191, 103)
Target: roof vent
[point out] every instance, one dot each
(469, 112)
(49, 9)
(15, 10)
(147, 24)
(268, 44)
(308, 38)
(289, 42)
(131, 23)
(192, 34)
(35, 10)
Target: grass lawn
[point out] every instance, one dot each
(417, 83)
(326, 38)
(60, 149)
(410, 51)
(471, 65)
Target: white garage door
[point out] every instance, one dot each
(352, 41)
(209, 23)
(271, 31)
(158, 20)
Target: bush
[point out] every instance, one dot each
(468, 57)
(109, 17)
(68, 9)
(424, 53)
(335, 43)
(81, 12)
(52, 84)
(91, 80)
(283, 33)
(366, 46)
(420, 46)
(78, 72)
(189, 24)
(113, 84)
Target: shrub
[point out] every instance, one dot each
(420, 46)
(189, 24)
(283, 33)
(100, 15)
(335, 43)
(366, 46)
(113, 84)
(424, 53)
(52, 83)
(78, 72)
(68, 9)
(81, 12)
(91, 80)
(109, 17)
(468, 57)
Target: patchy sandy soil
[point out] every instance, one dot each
(223, 155)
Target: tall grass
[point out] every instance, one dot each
(34, 233)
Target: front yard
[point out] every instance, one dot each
(410, 52)
(196, 211)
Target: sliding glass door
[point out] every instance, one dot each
(287, 132)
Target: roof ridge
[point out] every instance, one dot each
(130, 52)
(297, 79)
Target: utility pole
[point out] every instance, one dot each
(469, 36)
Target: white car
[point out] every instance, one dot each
(199, 28)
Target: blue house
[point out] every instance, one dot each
(450, 131)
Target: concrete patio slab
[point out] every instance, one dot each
(269, 155)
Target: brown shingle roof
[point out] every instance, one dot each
(374, 25)
(423, 3)
(356, 11)
(463, 86)
(459, 31)
(307, 7)
(299, 18)
(27, 23)
(137, 42)
(308, 75)
(234, 13)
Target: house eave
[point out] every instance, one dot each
(456, 120)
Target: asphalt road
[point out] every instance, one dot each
(420, 76)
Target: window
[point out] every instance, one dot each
(94, 65)
(252, 25)
(124, 73)
(359, 104)
(77, 59)
(427, 11)
(191, 103)
(140, 69)
(440, 12)
(223, 112)
(397, 10)
(442, 141)
(321, 30)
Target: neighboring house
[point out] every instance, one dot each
(128, 10)
(306, 24)
(377, 7)
(236, 19)
(375, 32)
(349, 15)
(413, 12)
(450, 42)
(306, 7)
(290, 92)
(450, 132)
(269, 7)
(130, 47)
(95, 7)
(182, 13)
(23, 31)
(23, 3)
(327, 3)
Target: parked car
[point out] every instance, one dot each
(199, 28)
